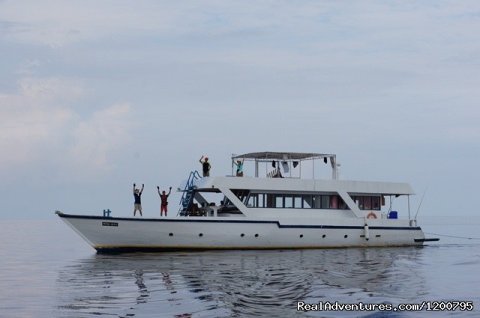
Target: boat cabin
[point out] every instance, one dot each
(283, 184)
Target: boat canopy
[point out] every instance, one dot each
(270, 155)
(293, 157)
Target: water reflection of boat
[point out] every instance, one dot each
(277, 211)
(236, 283)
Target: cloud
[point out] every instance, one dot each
(270, 33)
(35, 22)
(31, 120)
(40, 126)
(27, 68)
(106, 131)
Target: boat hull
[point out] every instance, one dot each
(108, 234)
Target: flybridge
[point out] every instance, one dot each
(288, 161)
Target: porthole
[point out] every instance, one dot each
(256, 235)
(301, 235)
(242, 235)
(324, 236)
(378, 235)
(345, 236)
(201, 234)
(170, 234)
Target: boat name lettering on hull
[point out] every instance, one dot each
(109, 224)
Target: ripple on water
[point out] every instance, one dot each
(238, 283)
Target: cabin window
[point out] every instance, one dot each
(260, 200)
(279, 201)
(307, 201)
(367, 202)
(334, 202)
(298, 202)
(289, 201)
(241, 194)
(270, 201)
(252, 200)
(325, 202)
(317, 201)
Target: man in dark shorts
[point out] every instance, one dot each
(137, 194)
(163, 199)
(205, 166)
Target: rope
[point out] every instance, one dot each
(454, 236)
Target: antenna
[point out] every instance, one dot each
(421, 201)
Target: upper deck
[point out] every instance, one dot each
(284, 163)
(283, 171)
(281, 185)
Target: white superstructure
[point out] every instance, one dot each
(273, 209)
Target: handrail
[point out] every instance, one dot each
(187, 191)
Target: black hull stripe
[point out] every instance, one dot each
(93, 217)
(122, 249)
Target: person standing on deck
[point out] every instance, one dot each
(205, 166)
(163, 199)
(137, 205)
(239, 165)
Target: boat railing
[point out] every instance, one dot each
(276, 173)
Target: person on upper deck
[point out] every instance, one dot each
(239, 165)
(137, 194)
(205, 166)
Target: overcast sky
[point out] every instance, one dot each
(96, 95)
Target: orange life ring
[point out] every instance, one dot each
(371, 215)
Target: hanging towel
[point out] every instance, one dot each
(286, 167)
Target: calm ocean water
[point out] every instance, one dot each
(46, 270)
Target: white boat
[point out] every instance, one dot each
(274, 209)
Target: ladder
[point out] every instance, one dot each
(187, 196)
